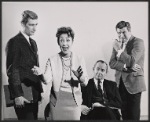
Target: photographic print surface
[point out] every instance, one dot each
(94, 26)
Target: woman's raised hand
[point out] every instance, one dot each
(78, 73)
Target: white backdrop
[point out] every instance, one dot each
(94, 26)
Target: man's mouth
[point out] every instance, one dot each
(32, 31)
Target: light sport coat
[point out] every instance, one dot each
(53, 74)
(133, 54)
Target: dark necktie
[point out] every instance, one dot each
(31, 43)
(33, 46)
(99, 87)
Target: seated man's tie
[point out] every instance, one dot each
(99, 87)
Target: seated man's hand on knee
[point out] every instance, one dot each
(85, 110)
(97, 105)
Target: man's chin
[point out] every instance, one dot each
(100, 78)
(31, 34)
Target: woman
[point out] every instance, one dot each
(65, 72)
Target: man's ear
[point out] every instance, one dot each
(22, 24)
(93, 68)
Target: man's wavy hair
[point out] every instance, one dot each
(28, 14)
(123, 24)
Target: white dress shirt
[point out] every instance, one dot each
(26, 36)
(96, 83)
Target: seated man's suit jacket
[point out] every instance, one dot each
(110, 91)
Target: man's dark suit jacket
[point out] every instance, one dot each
(111, 91)
(20, 60)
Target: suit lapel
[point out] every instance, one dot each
(25, 41)
(28, 45)
(57, 72)
(35, 50)
(33, 46)
(89, 92)
(105, 88)
(129, 45)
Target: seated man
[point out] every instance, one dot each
(101, 99)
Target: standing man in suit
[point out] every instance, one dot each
(22, 56)
(101, 98)
(128, 61)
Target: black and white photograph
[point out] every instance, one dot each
(74, 60)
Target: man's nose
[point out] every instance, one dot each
(100, 72)
(34, 28)
(121, 35)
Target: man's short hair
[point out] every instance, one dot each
(28, 14)
(103, 62)
(123, 24)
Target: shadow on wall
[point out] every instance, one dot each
(107, 51)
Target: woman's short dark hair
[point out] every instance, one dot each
(28, 14)
(103, 62)
(64, 30)
(123, 24)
